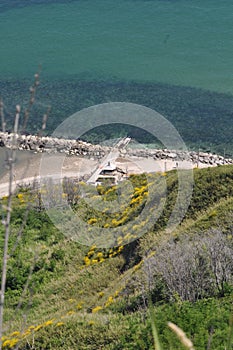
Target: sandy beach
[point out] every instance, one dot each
(32, 165)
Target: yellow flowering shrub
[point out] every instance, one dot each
(109, 301)
(59, 324)
(21, 197)
(94, 261)
(10, 343)
(79, 306)
(96, 309)
(15, 334)
(87, 261)
(37, 328)
(69, 313)
(92, 221)
(47, 323)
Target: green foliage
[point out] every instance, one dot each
(205, 322)
(63, 288)
(210, 186)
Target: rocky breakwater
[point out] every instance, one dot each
(177, 156)
(39, 144)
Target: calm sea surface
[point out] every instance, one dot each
(180, 42)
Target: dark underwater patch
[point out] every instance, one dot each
(203, 118)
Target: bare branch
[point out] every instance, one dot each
(3, 122)
(11, 162)
(31, 101)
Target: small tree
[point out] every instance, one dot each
(194, 267)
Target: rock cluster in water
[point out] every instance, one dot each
(84, 149)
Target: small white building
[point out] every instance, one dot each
(111, 174)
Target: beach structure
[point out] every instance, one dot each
(110, 174)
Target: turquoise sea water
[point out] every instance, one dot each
(179, 42)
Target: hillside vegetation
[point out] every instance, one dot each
(63, 295)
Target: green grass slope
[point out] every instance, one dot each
(62, 295)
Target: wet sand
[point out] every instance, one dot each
(28, 165)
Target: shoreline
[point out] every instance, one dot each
(40, 157)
